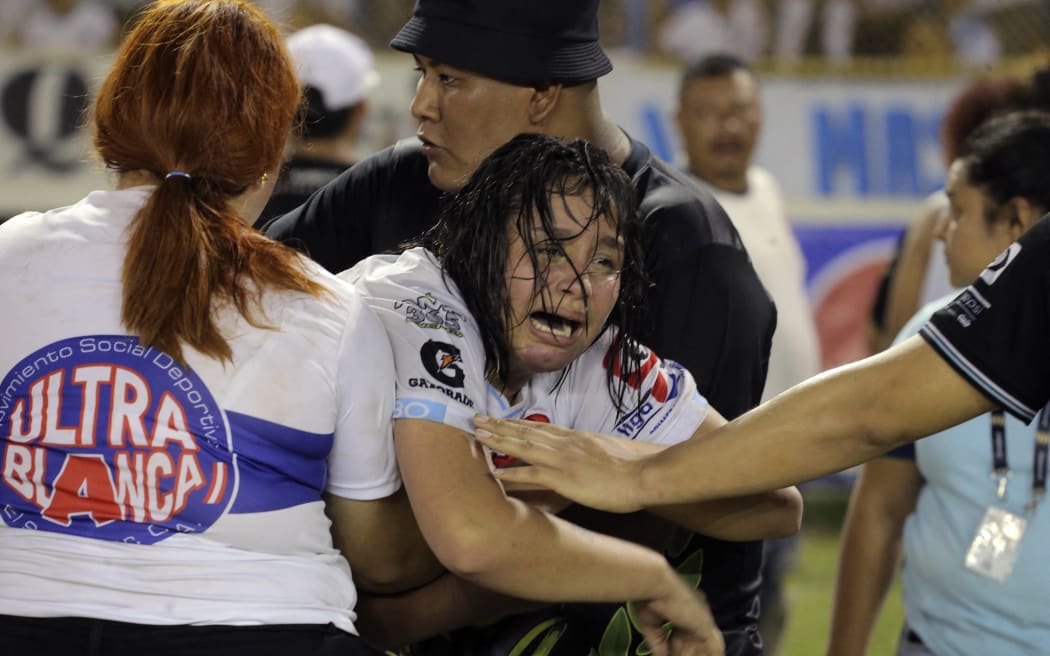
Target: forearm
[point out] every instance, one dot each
(382, 542)
(502, 543)
(884, 495)
(450, 602)
(836, 420)
(767, 516)
(533, 555)
(868, 560)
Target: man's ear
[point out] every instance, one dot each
(1023, 215)
(543, 101)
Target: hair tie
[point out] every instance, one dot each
(178, 174)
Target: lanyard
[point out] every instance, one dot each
(1000, 466)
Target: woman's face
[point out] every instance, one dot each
(557, 312)
(970, 242)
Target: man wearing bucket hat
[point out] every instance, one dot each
(492, 70)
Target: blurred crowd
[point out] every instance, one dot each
(968, 32)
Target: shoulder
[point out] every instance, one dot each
(762, 181)
(409, 287)
(342, 301)
(402, 161)
(415, 267)
(398, 167)
(682, 210)
(26, 223)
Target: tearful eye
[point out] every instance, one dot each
(604, 265)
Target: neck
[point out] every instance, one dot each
(512, 388)
(129, 179)
(735, 184)
(580, 115)
(609, 137)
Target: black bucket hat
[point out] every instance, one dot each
(512, 40)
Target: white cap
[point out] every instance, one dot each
(335, 62)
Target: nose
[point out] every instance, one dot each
(568, 280)
(424, 103)
(732, 122)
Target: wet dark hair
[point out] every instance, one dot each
(518, 183)
(1009, 157)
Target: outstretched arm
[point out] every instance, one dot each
(762, 516)
(838, 419)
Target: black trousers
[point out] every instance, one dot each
(78, 636)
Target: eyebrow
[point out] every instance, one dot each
(565, 234)
(422, 60)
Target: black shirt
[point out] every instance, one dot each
(996, 332)
(707, 308)
(300, 177)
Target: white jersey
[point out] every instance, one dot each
(440, 363)
(137, 490)
(761, 220)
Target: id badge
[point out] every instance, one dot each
(993, 552)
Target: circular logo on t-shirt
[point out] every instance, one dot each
(443, 362)
(103, 437)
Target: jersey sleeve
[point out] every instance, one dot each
(995, 333)
(439, 363)
(362, 464)
(661, 403)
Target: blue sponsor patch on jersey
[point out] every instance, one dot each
(410, 408)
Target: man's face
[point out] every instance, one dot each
(719, 119)
(463, 117)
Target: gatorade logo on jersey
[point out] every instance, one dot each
(501, 460)
(105, 438)
(443, 362)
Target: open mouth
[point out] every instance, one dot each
(553, 324)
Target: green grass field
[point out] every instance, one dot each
(811, 585)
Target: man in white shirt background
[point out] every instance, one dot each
(719, 117)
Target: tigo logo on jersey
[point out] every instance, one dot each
(105, 438)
